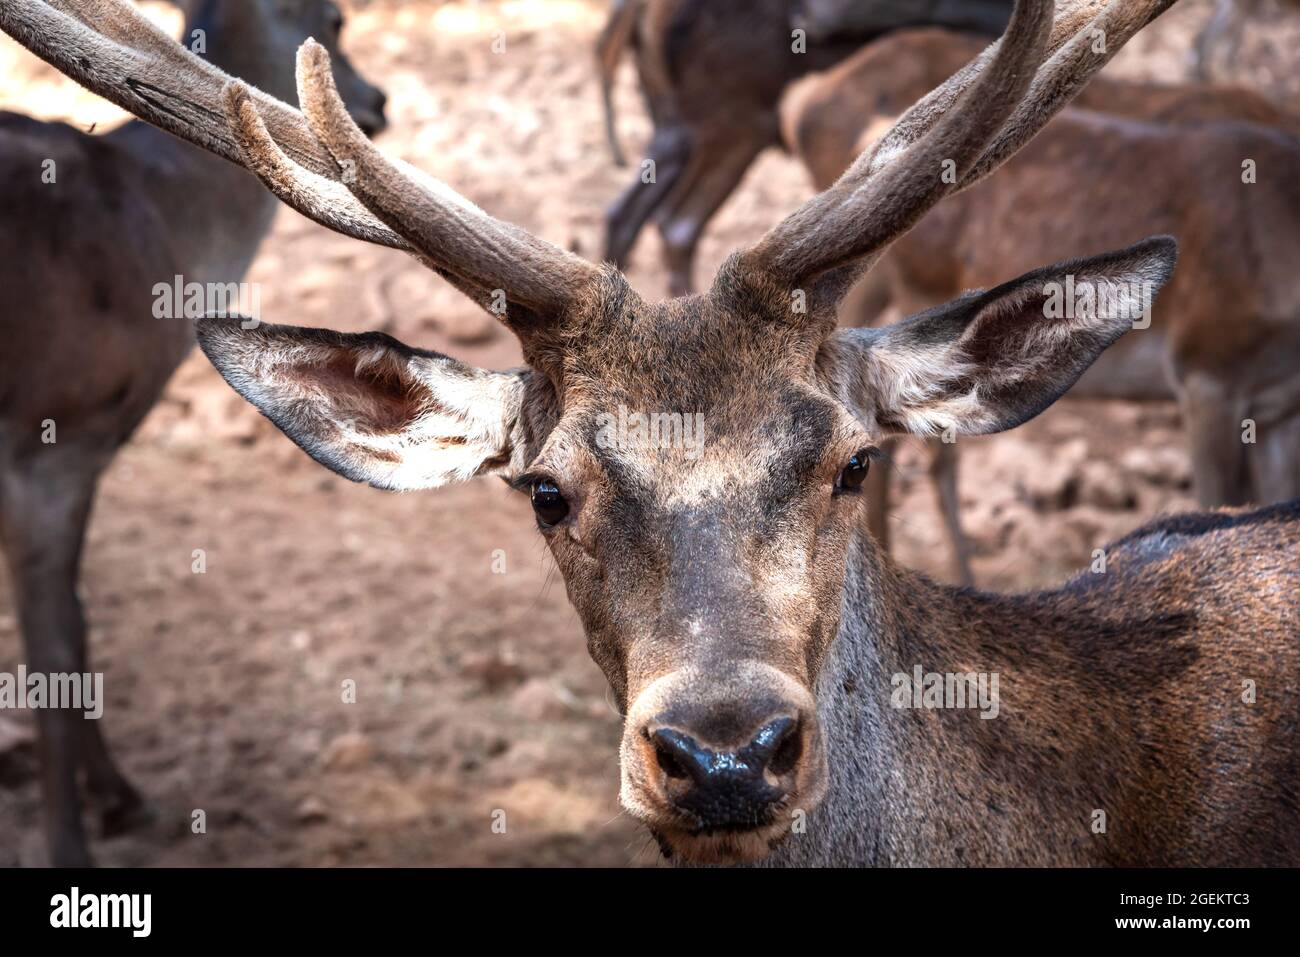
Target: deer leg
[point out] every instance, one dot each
(669, 152)
(41, 535)
(878, 479)
(1225, 26)
(1277, 462)
(611, 131)
(121, 807)
(43, 516)
(1213, 417)
(943, 473)
(717, 167)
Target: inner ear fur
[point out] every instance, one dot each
(370, 407)
(990, 360)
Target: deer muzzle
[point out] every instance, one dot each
(721, 766)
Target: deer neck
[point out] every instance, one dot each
(898, 774)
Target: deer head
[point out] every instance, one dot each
(709, 572)
(257, 32)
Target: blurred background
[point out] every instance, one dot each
(474, 689)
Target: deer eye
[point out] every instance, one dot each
(854, 474)
(548, 504)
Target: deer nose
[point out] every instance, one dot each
(729, 789)
(371, 117)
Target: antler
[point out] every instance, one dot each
(321, 164)
(952, 138)
(434, 219)
(111, 48)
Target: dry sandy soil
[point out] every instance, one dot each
(474, 690)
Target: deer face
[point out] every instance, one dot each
(697, 484)
(254, 33)
(698, 490)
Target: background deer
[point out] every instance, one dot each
(84, 349)
(1226, 336)
(748, 627)
(712, 74)
(1218, 44)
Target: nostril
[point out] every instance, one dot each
(788, 751)
(668, 760)
(679, 756)
(776, 747)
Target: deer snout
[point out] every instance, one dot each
(720, 762)
(724, 788)
(366, 105)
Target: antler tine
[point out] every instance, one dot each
(316, 197)
(843, 231)
(442, 225)
(112, 49)
(1067, 72)
(1071, 17)
(323, 200)
(875, 201)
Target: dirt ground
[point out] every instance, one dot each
(474, 694)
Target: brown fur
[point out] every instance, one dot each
(129, 209)
(718, 589)
(712, 73)
(1237, 242)
(727, 590)
(1131, 707)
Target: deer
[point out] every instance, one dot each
(756, 639)
(127, 210)
(712, 74)
(1227, 332)
(1218, 43)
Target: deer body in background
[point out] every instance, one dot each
(757, 640)
(712, 73)
(86, 352)
(1225, 339)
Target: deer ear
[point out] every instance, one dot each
(992, 360)
(369, 407)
